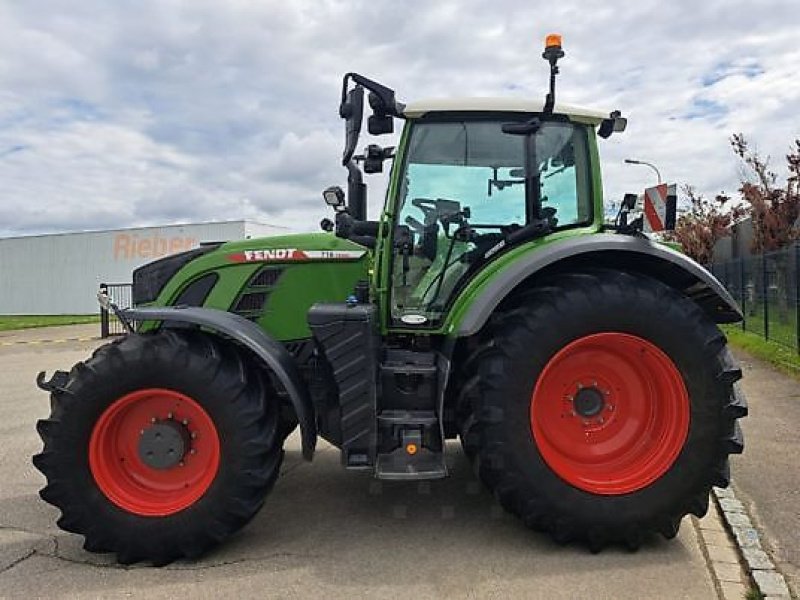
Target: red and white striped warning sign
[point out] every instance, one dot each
(655, 206)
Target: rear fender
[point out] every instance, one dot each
(271, 354)
(622, 252)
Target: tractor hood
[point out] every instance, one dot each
(271, 281)
(304, 247)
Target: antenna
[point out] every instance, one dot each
(552, 52)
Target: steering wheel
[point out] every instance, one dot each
(428, 231)
(428, 207)
(415, 224)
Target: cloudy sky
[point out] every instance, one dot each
(162, 111)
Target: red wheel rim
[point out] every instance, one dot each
(133, 485)
(610, 413)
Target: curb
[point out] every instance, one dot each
(766, 578)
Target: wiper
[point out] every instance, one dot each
(526, 128)
(534, 229)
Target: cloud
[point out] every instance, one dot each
(127, 113)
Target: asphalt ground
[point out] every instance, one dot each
(767, 475)
(323, 532)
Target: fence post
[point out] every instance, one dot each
(796, 295)
(743, 293)
(103, 314)
(764, 289)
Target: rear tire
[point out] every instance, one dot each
(568, 465)
(220, 416)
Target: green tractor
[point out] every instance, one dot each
(579, 362)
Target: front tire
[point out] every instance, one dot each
(603, 408)
(160, 446)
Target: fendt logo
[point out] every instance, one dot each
(293, 254)
(268, 255)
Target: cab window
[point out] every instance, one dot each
(464, 188)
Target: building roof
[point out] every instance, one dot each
(140, 228)
(486, 104)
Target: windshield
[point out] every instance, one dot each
(464, 190)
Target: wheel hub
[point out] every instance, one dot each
(588, 402)
(610, 413)
(154, 452)
(164, 444)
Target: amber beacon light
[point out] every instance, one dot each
(552, 52)
(553, 40)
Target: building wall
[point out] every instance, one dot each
(60, 274)
(737, 245)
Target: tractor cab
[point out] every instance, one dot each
(471, 179)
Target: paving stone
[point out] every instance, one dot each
(757, 559)
(738, 519)
(770, 583)
(716, 538)
(731, 505)
(746, 537)
(727, 572)
(733, 591)
(723, 492)
(725, 554)
(711, 521)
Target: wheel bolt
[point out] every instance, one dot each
(194, 435)
(193, 451)
(181, 464)
(170, 415)
(152, 419)
(610, 407)
(185, 422)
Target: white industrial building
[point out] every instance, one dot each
(60, 273)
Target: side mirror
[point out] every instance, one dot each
(629, 201)
(380, 124)
(334, 197)
(352, 110)
(374, 156)
(382, 105)
(615, 123)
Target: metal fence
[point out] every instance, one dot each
(766, 287)
(122, 296)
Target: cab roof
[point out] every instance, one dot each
(417, 109)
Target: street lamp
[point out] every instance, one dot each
(632, 161)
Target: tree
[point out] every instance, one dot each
(773, 209)
(704, 223)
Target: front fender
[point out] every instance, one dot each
(271, 353)
(614, 251)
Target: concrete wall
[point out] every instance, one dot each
(737, 245)
(60, 274)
